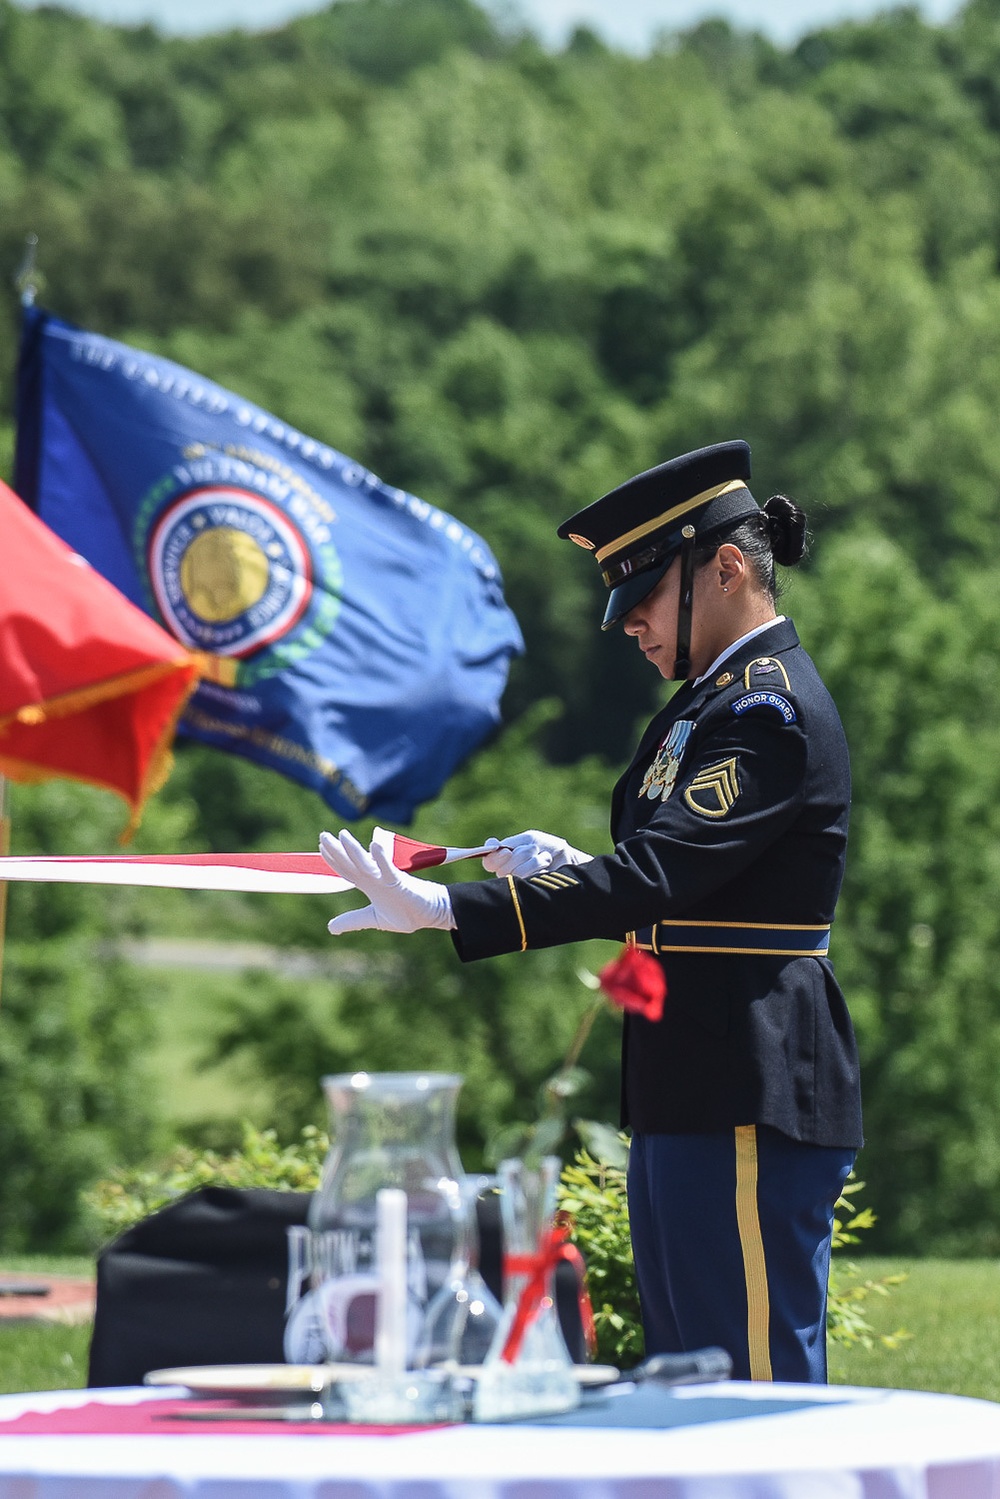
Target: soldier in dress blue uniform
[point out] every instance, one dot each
(729, 829)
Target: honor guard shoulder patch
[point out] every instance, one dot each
(713, 790)
(759, 699)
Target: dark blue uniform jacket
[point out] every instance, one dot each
(730, 829)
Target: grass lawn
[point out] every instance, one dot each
(191, 1011)
(951, 1308)
(44, 1355)
(193, 1007)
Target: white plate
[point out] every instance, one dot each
(253, 1379)
(261, 1379)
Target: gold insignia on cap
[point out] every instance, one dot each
(660, 522)
(581, 541)
(724, 680)
(714, 790)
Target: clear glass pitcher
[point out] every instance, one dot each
(390, 1129)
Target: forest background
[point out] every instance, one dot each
(506, 279)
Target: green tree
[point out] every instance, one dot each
(506, 278)
(76, 1093)
(916, 676)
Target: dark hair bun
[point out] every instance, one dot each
(786, 529)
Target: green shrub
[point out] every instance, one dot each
(593, 1195)
(130, 1194)
(846, 1321)
(74, 1092)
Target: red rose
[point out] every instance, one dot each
(634, 981)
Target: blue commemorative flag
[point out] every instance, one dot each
(360, 636)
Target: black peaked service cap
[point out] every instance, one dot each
(635, 531)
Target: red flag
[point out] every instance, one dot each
(90, 687)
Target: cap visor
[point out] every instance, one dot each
(632, 592)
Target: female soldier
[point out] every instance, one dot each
(729, 831)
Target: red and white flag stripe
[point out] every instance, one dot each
(408, 854)
(292, 874)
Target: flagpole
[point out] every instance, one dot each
(4, 849)
(25, 280)
(27, 286)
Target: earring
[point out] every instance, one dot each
(725, 589)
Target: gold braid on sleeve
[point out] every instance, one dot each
(517, 912)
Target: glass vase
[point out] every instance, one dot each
(528, 1370)
(390, 1130)
(462, 1318)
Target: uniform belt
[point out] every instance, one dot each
(772, 939)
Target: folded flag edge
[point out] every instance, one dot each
(270, 873)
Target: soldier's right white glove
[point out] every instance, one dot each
(530, 853)
(399, 903)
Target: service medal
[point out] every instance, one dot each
(659, 779)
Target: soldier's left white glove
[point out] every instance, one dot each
(524, 854)
(399, 903)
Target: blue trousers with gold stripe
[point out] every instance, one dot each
(731, 1235)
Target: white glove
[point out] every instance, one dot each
(531, 853)
(399, 903)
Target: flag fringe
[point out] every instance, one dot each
(159, 765)
(82, 698)
(161, 758)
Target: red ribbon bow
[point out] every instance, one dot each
(553, 1246)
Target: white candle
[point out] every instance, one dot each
(390, 1249)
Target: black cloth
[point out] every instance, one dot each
(203, 1281)
(753, 830)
